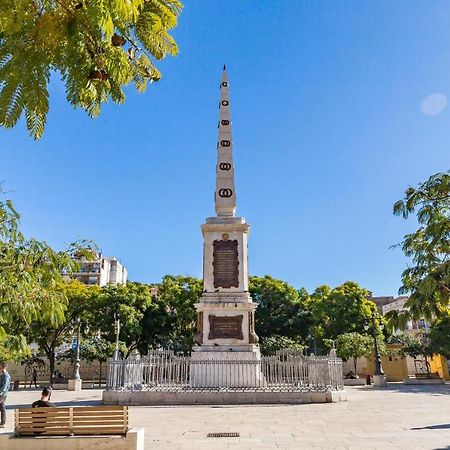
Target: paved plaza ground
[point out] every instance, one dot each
(401, 417)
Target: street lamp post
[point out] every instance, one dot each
(76, 367)
(379, 378)
(117, 331)
(75, 383)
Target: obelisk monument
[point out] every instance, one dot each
(225, 314)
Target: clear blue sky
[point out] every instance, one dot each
(329, 129)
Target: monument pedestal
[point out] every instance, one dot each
(225, 342)
(74, 385)
(239, 367)
(379, 381)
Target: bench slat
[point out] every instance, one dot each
(99, 408)
(47, 429)
(99, 419)
(98, 431)
(42, 433)
(56, 409)
(37, 416)
(43, 420)
(99, 414)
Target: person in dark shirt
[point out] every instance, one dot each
(44, 401)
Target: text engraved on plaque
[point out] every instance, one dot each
(225, 327)
(226, 264)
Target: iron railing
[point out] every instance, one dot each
(163, 371)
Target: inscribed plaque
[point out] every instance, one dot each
(226, 263)
(225, 327)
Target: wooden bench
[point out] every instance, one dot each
(72, 421)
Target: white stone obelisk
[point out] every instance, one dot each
(225, 314)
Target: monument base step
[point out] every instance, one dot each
(142, 398)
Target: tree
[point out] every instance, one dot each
(439, 335)
(92, 349)
(129, 303)
(271, 344)
(427, 281)
(353, 345)
(78, 298)
(97, 47)
(344, 309)
(281, 310)
(414, 346)
(33, 363)
(170, 321)
(30, 271)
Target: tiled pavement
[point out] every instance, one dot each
(399, 417)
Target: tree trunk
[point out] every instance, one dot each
(354, 363)
(51, 361)
(100, 376)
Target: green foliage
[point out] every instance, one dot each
(439, 335)
(353, 345)
(170, 322)
(94, 348)
(271, 344)
(344, 309)
(76, 301)
(33, 363)
(30, 271)
(98, 46)
(129, 302)
(14, 348)
(281, 310)
(98, 349)
(412, 345)
(428, 279)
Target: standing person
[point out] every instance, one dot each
(5, 381)
(44, 402)
(34, 377)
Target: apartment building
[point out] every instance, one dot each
(101, 271)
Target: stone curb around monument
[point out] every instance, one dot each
(155, 398)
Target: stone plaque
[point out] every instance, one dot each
(226, 264)
(225, 327)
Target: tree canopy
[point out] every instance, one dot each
(170, 321)
(30, 271)
(427, 280)
(344, 309)
(281, 310)
(439, 335)
(77, 300)
(353, 345)
(129, 303)
(96, 46)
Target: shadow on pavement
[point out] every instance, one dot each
(442, 426)
(434, 389)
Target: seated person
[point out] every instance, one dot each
(44, 401)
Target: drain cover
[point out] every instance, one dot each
(216, 435)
